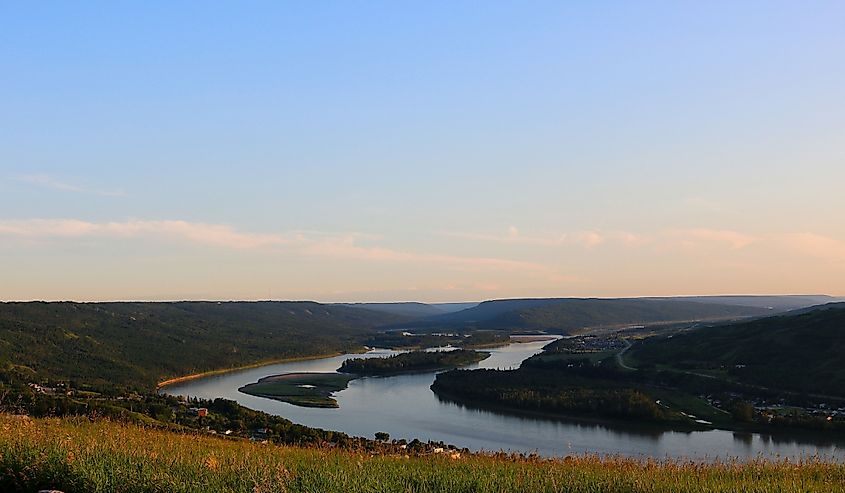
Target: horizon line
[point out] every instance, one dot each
(303, 300)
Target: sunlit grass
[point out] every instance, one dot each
(76, 455)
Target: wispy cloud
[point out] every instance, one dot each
(817, 246)
(348, 247)
(210, 234)
(352, 246)
(691, 237)
(49, 181)
(733, 239)
(587, 239)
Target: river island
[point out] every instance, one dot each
(313, 389)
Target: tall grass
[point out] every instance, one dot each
(75, 455)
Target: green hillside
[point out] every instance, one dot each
(802, 352)
(135, 345)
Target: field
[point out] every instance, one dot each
(76, 455)
(302, 389)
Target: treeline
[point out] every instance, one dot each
(483, 339)
(398, 340)
(412, 362)
(548, 392)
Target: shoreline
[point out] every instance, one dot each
(529, 338)
(812, 436)
(620, 424)
(221, 371)
(293, 359)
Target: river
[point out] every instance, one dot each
(405, 407)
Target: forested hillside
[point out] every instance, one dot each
(135, 345)
(564, 315)
(802, 352)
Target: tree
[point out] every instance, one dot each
(382, 436)
(742, 411)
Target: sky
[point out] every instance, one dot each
(430, 151)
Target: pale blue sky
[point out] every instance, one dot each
(420, 150)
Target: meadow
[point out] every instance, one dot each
(80, 455)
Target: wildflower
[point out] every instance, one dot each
(212, 463)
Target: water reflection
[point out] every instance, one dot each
(743, 439)
(641, 430)
(405, 407)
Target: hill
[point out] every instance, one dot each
(75, 455)
(410, 309)
(135, 345)
(798, 351)
(564, 315)
(413, 309)
(454, 307)
(777, 303)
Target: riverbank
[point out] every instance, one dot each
(643, 426)
(525, 339)
(514, 339)
(186, 378)
(294, 359)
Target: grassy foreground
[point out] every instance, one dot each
(76, 455)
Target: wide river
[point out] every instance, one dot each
(405, 407)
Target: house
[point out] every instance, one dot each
(199, 411)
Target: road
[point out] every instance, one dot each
(620, 353)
